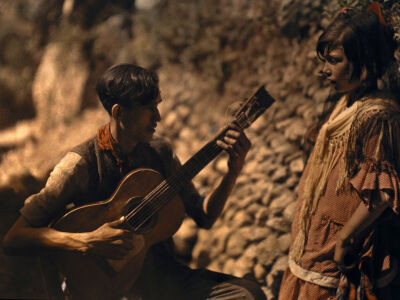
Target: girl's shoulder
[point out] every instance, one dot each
(377, 107)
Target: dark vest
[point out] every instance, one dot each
(104, 177)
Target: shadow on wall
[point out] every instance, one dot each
(20, 277)
(12, 110)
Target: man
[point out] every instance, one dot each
(131, 96)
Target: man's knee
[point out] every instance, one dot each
(255, 290)
(241, 289)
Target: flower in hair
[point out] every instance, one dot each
(376, 9)
(345, 10)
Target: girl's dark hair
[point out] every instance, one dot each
(367, 44)
(126, 84)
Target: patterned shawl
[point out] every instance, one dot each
(329, 148)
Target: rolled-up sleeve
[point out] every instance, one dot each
(68, 180)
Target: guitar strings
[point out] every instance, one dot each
(164, 184)
(163, 198)
(164, 191)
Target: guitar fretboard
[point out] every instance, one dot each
(169, 187)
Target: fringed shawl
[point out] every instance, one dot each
(341, 138)
(377, 119)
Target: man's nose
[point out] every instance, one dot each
(157, 115)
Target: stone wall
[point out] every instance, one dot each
(216, 65)
(209, 55)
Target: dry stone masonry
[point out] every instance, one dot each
(210, 55)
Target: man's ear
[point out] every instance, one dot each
(116, 112)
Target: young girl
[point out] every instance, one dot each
(345, 231)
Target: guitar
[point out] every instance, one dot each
(150, 206)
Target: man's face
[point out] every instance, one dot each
(338, 71)
(140, 121)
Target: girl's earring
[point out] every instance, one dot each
(364, 75)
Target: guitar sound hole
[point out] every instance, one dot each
(141, 220)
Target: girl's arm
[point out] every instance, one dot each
(362, 218)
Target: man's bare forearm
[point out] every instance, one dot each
(215, 202)
(23, 239)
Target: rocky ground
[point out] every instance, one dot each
(209, 55)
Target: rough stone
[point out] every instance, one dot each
(289, 211)
(280, 174)
(246, 262)
(221, 165)
(268, 193)
(274, 277)
(220, 237)
(284, 242)
(261, 216)
(259, 233)
(297, 165)
(247, 201)
(296, 130)
(267, 250)
(279, 224)
(186, 135)
(292, 181)
(236, 245)
(259, 272)
(56, 97)
(171, 119)
(282, 201)
(229, 266)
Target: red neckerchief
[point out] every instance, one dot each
(107, 142)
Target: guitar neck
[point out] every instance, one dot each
(161, 194)
(195, 164)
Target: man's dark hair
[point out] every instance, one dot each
(126, 84)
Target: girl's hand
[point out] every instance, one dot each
(344, 255)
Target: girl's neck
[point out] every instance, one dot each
(366, 88)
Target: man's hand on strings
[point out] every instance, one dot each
(112, 241)
(236, 143)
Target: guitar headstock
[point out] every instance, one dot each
(253, 107)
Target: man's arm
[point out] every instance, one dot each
(23, 239)
(108, 240)
(30, 232)
(236, 143)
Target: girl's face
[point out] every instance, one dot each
(338, 70)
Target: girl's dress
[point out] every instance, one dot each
(356, 155)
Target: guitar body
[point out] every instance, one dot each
(90, 277)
